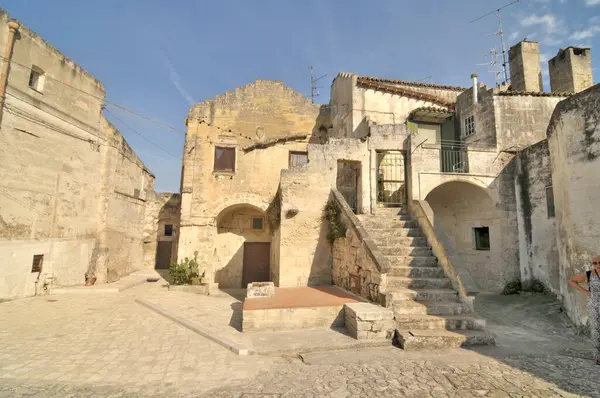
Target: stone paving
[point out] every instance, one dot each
(107, 345)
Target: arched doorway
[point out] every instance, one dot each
(242, 247)
(484, 237)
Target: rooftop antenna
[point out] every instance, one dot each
(430, 78)
(493, 53)
(500, 33)
(314, 89)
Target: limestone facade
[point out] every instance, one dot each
(73, 193)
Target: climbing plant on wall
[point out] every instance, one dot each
(332, 214)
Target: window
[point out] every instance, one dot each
(224, 159)
(257, 223)
(36, 78)
(550, 201)
(168, 229)
(298, 159)
(469, 126)
(482, 238)
(136, 193)
(38, 261)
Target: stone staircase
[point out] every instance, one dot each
(427, 311)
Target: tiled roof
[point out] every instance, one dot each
(409, 83)
(405, 92)
(533, 93)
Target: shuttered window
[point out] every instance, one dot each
(38, 261)
(298, 159)
(224, 159)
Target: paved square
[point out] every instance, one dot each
(107, 345)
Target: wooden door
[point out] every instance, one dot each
(347, 182)
(163, 255)
(257, 262)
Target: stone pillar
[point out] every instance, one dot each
(571, 70)
(13, 26)
(525, 67)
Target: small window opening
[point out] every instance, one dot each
(469, 126)
(550, 201)
(482, 238)
(224, 159)
(298, 159)
(168, 229)
(38, 261)
(136, 193)
(36, 78)
(257, 223)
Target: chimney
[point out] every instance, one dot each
(474, 77)
(571, 70)
(525, 67)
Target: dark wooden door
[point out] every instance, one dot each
(257, 262)
(163, 255)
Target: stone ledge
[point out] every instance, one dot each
(366, 321)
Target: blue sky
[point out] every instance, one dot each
(158, 57)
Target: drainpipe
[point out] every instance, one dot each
(13, 26)
(474, 77)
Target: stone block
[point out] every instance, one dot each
(368, 312)
(260, 289)
(379, 326)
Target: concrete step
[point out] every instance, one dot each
(448, 322)
(389, 223)
(398, 250)
(415, 339)
(409, 261)
(395, 282)
(386, 238)
(399, 232)
(417, 272)
(410, 307)
(423, 294)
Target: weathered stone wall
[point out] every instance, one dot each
(574, 143)
(61, 164)
(571, 70)
(525, 66)
(252, 114)
(161, 209)
(483, 112)
(522, 120)
(538, 255)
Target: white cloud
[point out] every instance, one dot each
(176, 79)
(590, 3)
(550, 23)
(587, 33)
(513, 36)
(545, 57)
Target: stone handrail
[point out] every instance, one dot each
(351, 221)
(443, 249)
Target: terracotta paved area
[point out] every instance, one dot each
(296, 297)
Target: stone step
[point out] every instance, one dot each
(389, 223)
(387, 239)
(395, 282)
(417, 272)
(423, 294)
(409, 261)
(410, 307)
(448, 322)
(399, 232)
(405, 251)
(415, 339)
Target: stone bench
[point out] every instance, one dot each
(366, 321)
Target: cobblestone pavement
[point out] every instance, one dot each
(106, 345)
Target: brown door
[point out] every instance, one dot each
(163, 255)
(257, 262)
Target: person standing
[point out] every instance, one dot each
(593, 279)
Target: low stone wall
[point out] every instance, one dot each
(293, 318)
(445, 252)
(366, 321)
(358, 265)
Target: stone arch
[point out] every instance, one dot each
(238, 199)
(482, 234)
(429, 185)
(242, 245)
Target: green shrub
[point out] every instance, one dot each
(186, 272)
(332, 214)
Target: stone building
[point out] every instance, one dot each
(261, 163)
(73, 194)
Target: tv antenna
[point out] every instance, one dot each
(493, 54)
(500, 33)
(314, 89)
